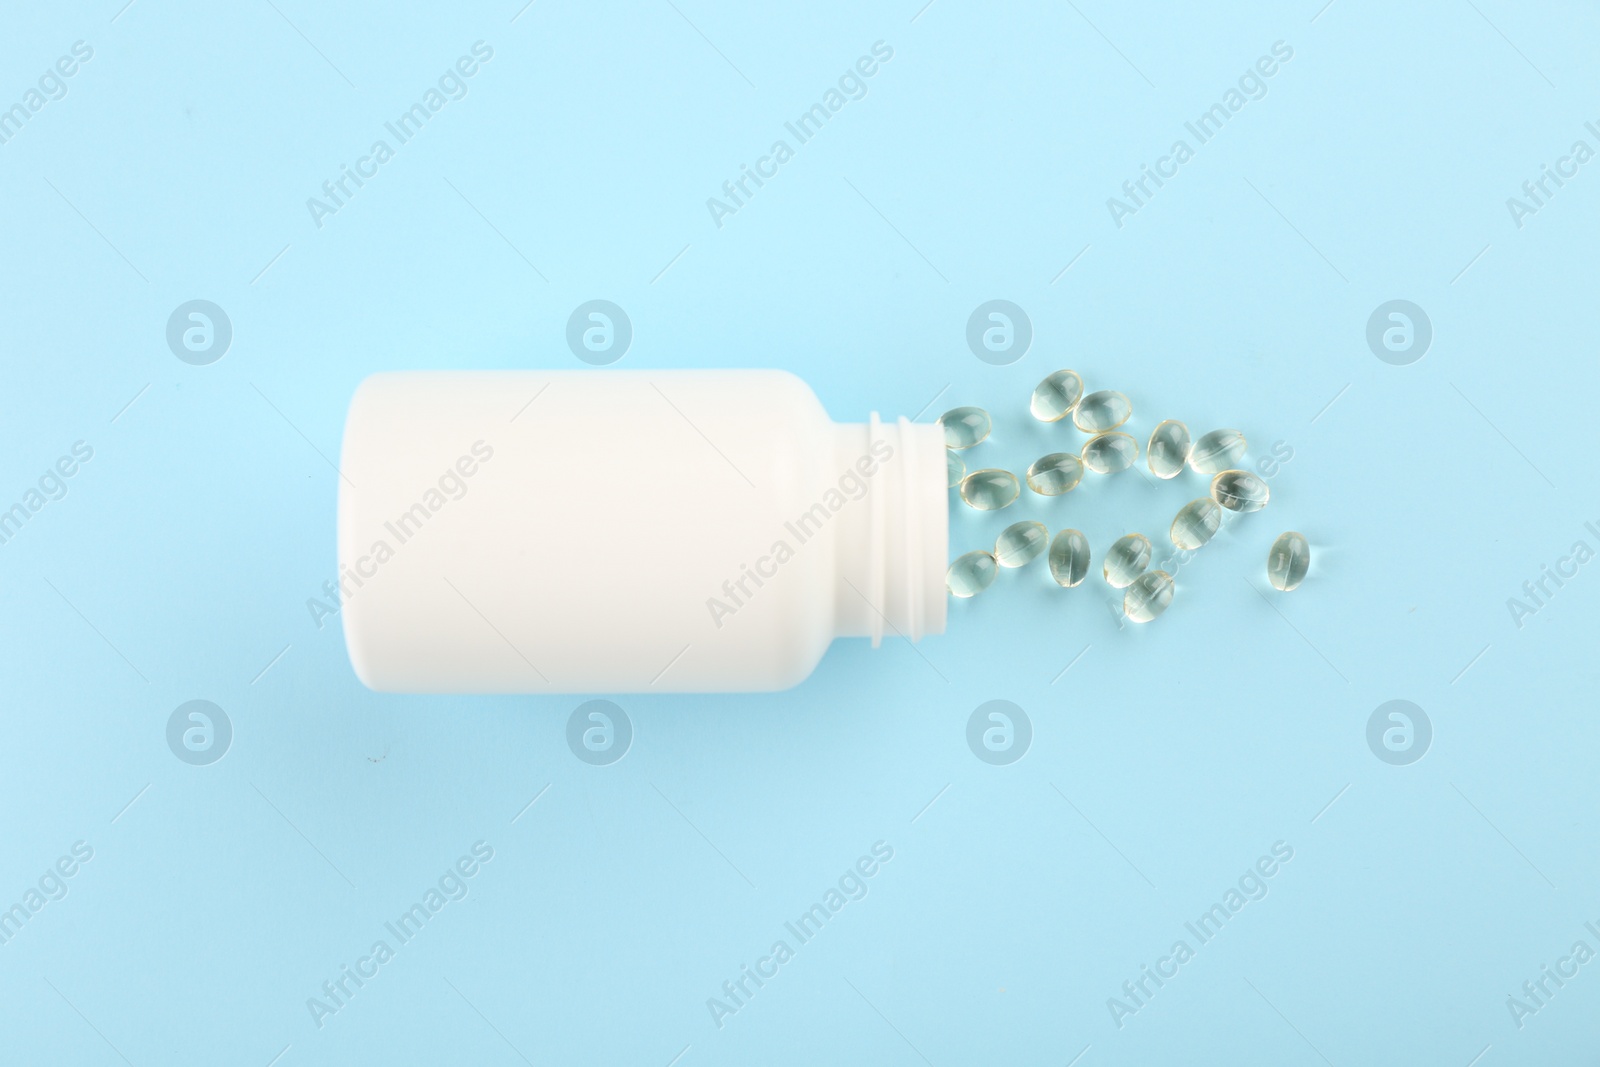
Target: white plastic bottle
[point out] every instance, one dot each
(627, 531)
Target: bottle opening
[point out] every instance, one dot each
(891, 554)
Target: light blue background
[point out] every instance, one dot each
(1163, 763)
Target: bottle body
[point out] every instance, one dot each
(626, 531)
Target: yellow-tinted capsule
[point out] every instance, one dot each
(1069, 558)
(1126, 559)
(1217, 451)
(1239, 491)
(1168, 449)
(1148, 596)
(1196, 523)
(1021, 543)
(989, 489)
(1288, 560)
(955, 467)
(971, 574)
(1101, 411)
(1054, 397)
(965, 427)
(1057, 473)
(1108, 453)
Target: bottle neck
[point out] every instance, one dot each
(892, 542)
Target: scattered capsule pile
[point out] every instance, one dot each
(1108, 450)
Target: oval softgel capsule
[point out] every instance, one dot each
(1069, 558)
(1101, 411)
(1240, 491)
(1288, 561)
(1168, 450)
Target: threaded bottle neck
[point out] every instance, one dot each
(892, 544)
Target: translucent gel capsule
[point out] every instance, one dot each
(1197, 522)
(965, 427)
(1239, 491)
(955, 466)
(990, 489)
(971, 574)
(1288, 560)
(1109, 453)
(1126, 559)
(1056, 395)
(1168, 449)
(1217, 451)
(1021, 543)
(1069, 558)
(1057, 473)
(1101, 411)
(1148, 596)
